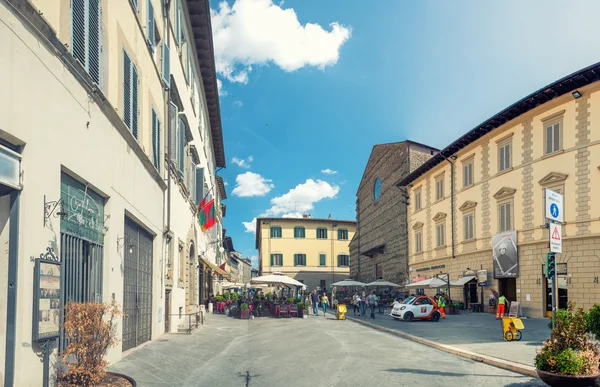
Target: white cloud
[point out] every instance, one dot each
(328, 171)
(222, 92)
(240, 162)
(292, 215)
(225, 183)
(302, 198)
(250, 226)
(250, 158)
(238, 103)
(259, 32)
(254, 260)
(252, 184)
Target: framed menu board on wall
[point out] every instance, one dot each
(47, 303)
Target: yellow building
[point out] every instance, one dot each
(314, 251)
(490, 182)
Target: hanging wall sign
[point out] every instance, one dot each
(47, 302)
(84, 208)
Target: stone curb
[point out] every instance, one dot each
(496, 362)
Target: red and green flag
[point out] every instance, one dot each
(206, 214)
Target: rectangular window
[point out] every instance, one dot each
(552, 138)
(166, 64)
(417, 200)
(343, 260)
(181, 263)
(181, 147)
(299, 259)
(322, 260)
(468, 174)
(322, 284)
(151, 27)
(378, 271)
(342, 235)
(275, 232)
(299, 232)
(505, 217)
(85, 35)
(418, 241)
(439, 188)
(469, 228)
(504, 157)
(130, 95)
(440, 235)
(155, 141)
(276, 259)
(321, 233)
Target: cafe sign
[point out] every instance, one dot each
(84, 210)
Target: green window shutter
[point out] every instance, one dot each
(155, 140)
(150, 26)
(166, 64)
(134, 102)
(126, 89)
(322, 259)
(172, 134)
(85, 35)
(271, 259)
(181, 147)
(295, 259)
(339, 260)
(177, 22)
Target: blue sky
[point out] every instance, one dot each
(298, 99)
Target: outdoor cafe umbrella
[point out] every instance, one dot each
(348, 282)
(428, 283)
(383, 283)
(276, 279)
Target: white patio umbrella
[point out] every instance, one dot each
(383, 283)
(348, 282)
(428, 283)
(276, 279)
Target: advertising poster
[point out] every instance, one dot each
(505, 256)
(48, 305)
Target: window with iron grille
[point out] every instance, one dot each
(343, 260)
(155, 140)
(299, 232)
(322, 259)
(321, 233)
(277, 259)
(276, 232)
(130, 95)
(85, 35)
(342, 234)
(299, 259)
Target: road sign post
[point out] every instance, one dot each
(553, 203)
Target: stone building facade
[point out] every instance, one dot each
(491, 182)
(379, 247)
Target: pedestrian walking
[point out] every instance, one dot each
(372, 301)
(325, 303)
(441, 305)
(501, 305)
(492, 303)
(363, 304)
(314, 301)
(356, 302)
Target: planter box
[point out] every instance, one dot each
(245, 314)
(303, 313)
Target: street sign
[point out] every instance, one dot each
(554, 206)
(555, 238)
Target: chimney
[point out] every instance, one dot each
(306, 216)
(329, 216)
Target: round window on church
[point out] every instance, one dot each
(377, 189)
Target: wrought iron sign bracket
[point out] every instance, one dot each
(53, 208)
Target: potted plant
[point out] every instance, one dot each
(234, 297)
(91, 329)
(569, 357)
(269, 296)
(302, 310)
(244, 311)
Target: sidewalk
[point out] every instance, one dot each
(470, 335)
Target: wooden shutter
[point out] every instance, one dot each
(134, 101)
(150, 26)
(180, 146)
(199, 185)
(94, 47)
(166, 64)
(155, 140)
(177, 22)
(173, 133)
(85, 35)
(271, 259)
(295, 259)
(126, 90)
(339, 260)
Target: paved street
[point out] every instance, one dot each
(476, 332)
(296, 352)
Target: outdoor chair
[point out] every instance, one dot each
(293, 312)
(284, 311)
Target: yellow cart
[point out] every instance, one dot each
(511, 328)
(341, 312)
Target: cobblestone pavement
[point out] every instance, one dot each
(476, 332)
(298, 352)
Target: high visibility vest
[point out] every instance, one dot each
(441, 303)
(502, 300)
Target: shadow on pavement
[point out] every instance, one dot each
(443, 373)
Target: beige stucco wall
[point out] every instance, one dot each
(578, 160)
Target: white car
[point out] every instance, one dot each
(416, 308)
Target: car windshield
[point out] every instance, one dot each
(409, 300)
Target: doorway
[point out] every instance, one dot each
(508, 288)
(167, 311)
(137, 286)
(470, 293)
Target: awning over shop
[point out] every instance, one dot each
(428, 283)
(215, 268)
(462, 281)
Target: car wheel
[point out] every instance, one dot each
(435, 317)
(408, 316)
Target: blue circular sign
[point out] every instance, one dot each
(554, 210)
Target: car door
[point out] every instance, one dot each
(425, 307)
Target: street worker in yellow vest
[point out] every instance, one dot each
(501, 305)
(441, 305)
